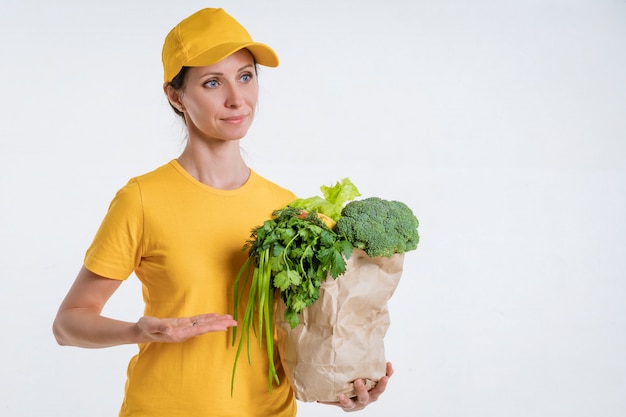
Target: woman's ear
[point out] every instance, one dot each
(173, 96)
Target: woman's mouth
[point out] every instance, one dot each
(235, 119)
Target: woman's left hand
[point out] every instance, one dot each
(363, 397)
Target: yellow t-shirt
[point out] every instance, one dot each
(184, 239)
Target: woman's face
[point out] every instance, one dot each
(219, 100)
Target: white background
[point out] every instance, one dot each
(501, 123)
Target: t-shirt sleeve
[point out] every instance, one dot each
(117, 246)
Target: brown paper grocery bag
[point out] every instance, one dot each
(340, 336)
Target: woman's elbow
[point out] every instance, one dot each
(59, 332)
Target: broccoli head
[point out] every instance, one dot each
(379, 227)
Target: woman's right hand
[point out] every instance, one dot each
(153, 329)
(79, 321)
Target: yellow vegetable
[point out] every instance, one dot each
(329, 222)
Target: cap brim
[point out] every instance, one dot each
(263, 54)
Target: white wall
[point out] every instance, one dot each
(501, 123)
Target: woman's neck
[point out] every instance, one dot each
(217, 164)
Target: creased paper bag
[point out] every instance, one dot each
(340, 336)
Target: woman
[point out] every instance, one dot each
(180, 229)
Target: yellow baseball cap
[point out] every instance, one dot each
(207, 37)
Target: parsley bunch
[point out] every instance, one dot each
(294, 252)
(304, 254)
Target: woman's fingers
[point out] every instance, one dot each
(363, 397)
(212, 322)
(183, 328)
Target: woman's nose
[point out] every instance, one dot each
(234, 97)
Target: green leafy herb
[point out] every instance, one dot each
(294, 252)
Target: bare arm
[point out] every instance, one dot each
(79, 321)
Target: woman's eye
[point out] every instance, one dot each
(211, 84)
(246, 78)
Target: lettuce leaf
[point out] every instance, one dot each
(335, 197)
